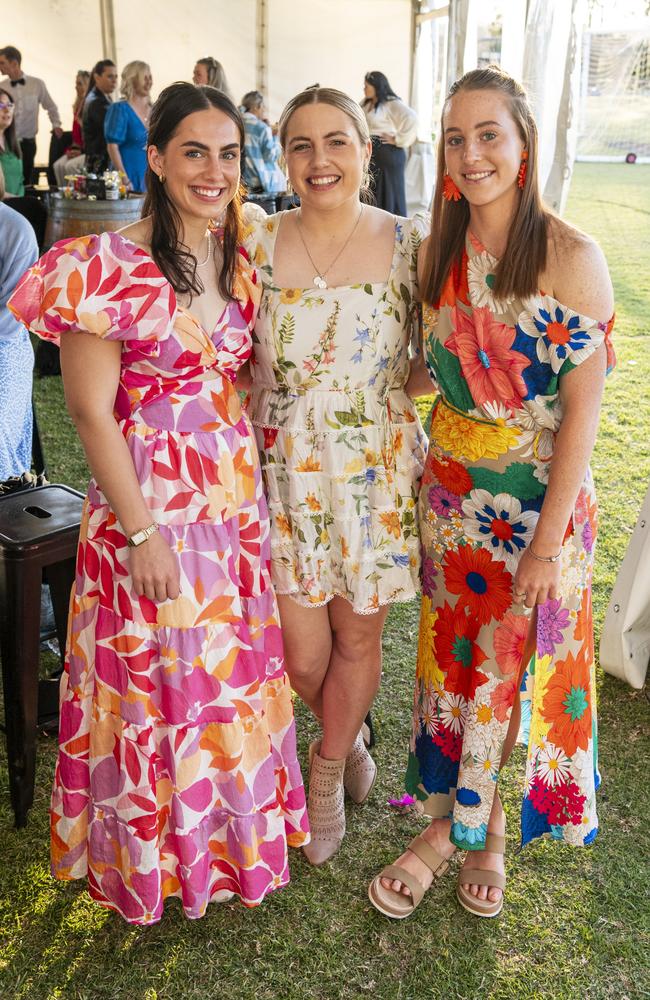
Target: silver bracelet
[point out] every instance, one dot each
(544, 559)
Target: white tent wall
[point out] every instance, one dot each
(334, 42)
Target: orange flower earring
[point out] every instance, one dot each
(523, 169)
(450, 190)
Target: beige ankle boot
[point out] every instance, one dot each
(360, 771)
(325, 807)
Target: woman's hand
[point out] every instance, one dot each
(388, 138)
(536, 582)
(154, 569)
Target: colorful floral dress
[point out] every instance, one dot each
(341, 445)
(498, 366)
(177, 772)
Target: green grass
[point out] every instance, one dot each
(576, 922)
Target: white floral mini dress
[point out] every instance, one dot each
(341, 445)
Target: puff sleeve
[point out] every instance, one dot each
(103, 285)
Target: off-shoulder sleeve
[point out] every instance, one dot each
(96, 284)
(116, 122)
(564, 338)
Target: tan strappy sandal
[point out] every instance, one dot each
(396, 905)
(478, 876)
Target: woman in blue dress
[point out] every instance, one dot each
(18, 251)
(126, 123)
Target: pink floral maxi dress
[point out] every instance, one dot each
(177, 772)
(499, 366)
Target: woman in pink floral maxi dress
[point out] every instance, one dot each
(177, 772)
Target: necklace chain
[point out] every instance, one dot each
(202, 263)
(319, 278)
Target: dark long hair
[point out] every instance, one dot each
(524, 259)
(11, 142)
(175, 261)
(383, 90)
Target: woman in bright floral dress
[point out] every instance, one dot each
(517, 339)
(177, 771)
(341, 445)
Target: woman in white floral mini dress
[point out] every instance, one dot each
(341, 445)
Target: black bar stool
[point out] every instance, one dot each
(39, 531)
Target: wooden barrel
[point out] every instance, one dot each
(68, 218)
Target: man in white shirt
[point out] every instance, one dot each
(28, 93)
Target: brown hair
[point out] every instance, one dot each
(175, 261)
(11, 140)
(524, 259)
(336, 99)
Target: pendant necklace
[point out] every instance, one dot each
(319, 278)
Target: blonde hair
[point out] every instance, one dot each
(132, 75)
(216, 75)
(325, 95)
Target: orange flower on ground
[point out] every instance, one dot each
(391, 523)
(452, 475)
(312, 503)
(483, 347)
(567, 704)
(309, 464)
(509, 641)
(483, 586)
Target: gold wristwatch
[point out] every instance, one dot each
(141, 536)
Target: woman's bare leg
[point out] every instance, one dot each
(307, 637)
(353, 675)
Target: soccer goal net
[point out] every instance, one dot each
(614, 111)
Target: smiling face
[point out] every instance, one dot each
(144, 83)
(325, 156)
(483, 146)
(6, 112)
(80, 85)
(201, 164)
(200, 75)
(10, 68)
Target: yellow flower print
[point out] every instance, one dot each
(427, 665)
(538, 727)
(309, 464)
(391, 523)
(484, 714)
(289, 295)
(372, 458)
(260, 255)
(312, 502)
(283, 524)
(398, 440)
(469, 439)
(269, 227)
(345, 548)
(353, 466)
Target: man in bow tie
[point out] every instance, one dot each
(28, 93)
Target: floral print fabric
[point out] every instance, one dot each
(340, 442)
(498, 365)
(177, 772)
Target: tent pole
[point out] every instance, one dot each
(109, 44)
(262, 45)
